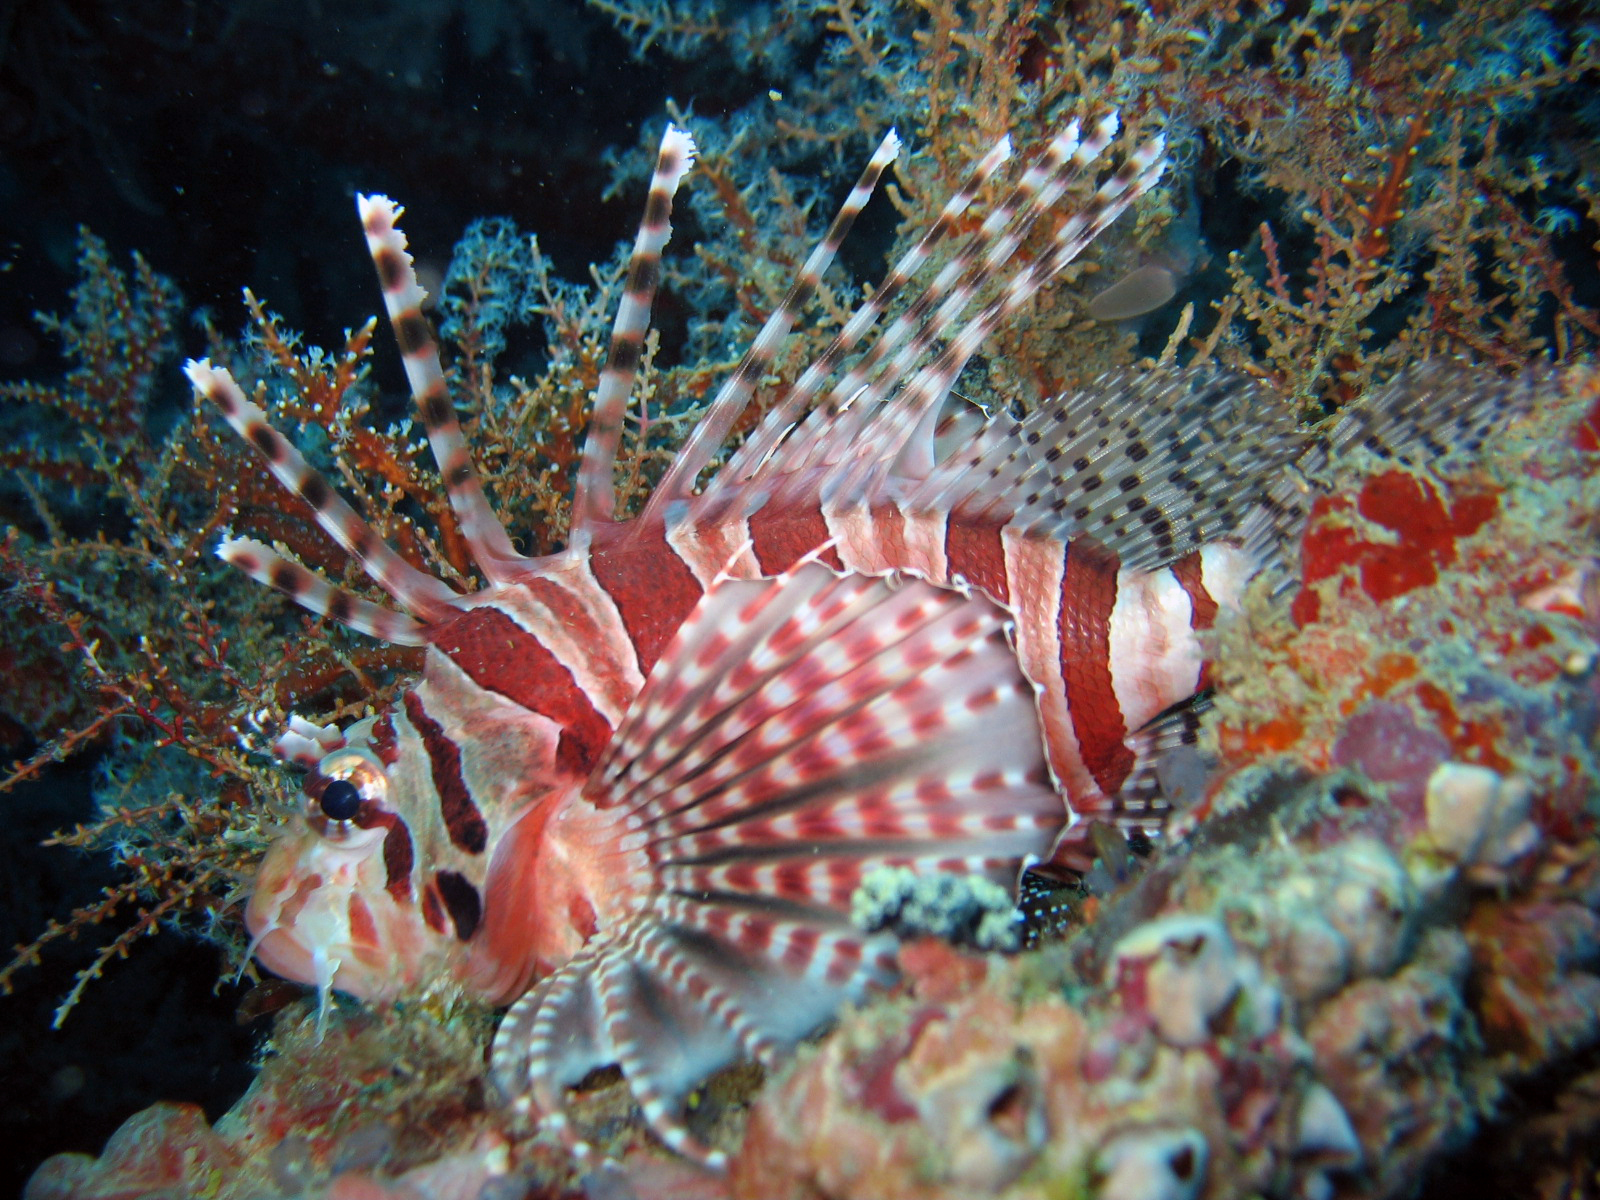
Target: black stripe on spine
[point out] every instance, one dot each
(341, 607)
(645, 276)
(364, 543)
(625, 353)
(658, 207)
(436, 409)
(412, 332)
(314, 490)
(269, 442)
(391, 266)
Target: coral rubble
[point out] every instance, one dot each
(1373, 928)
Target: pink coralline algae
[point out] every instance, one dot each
(1382, 740)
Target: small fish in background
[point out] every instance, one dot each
(641, 779)
(1162, 274)
(1141, 291)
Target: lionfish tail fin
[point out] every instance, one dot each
(1169, 772)
(1426, 413)
(799, 734)
(419, 593)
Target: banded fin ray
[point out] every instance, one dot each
(712, 430)
(771, 431)
(835, 428)
(798, 733)
(426, 598)
(311, 591)
(594, 498)
(914, 410)
(419, 593)
(857, 406)
(403, 297)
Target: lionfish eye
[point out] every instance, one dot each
(340, 800)
(348, 804)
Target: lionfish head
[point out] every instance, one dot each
(431, 844)
(334, 903)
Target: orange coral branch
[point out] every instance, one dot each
(1383, 207)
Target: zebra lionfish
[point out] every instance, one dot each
(639, 779)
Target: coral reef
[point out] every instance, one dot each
(1378, 916)
(1366, 933)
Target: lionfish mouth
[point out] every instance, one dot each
(310, 921)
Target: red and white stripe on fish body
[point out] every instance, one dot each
(643, 776)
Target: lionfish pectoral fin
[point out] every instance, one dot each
(654, 1000)
(799, 733)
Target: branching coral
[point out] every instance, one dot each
(1406, 227)
(170, 659)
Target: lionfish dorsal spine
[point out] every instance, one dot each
(942, 304)
(918, 400)
(315, 594)
(403, 296)
(792, 407)
(712, 430)
(919, 403)
(594, 491)
(419, 593)
(839, 428)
